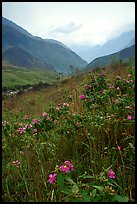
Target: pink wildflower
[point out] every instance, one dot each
(129, 75)
(64, 168)
(57, 108)
(67, 162)
(29, 126)
(35, 121)
(118, 77)
(127, 81)
(100, 74)
(26, 116)
(103, 91)
(119, 148)
(111, 174)
(129, 117)
(16, 163)
(21, 153)
(44, 114)
(21, 130)
(5, 123)
(66, 104)
(35, 130)
(118, 88)
(69, 165)
(52, 178)
(82, 96)
(78, 123)
(75, 113)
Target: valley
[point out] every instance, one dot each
(68, 126)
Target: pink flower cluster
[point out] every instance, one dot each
(111, 174)
(67, 166)
(16, 163)
(82, 97)
(35, 121)
(21, 130)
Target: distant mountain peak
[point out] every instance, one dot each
(53, 52)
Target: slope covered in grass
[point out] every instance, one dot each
(13, 76)
(73, 142)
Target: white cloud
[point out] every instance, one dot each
(72, 22)
(71, 27)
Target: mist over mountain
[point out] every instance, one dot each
(50, 52)
(89, 53)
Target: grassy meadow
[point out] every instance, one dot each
(73, 141)
(14, 77)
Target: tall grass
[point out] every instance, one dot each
(87, 122)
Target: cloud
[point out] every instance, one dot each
(67, 29)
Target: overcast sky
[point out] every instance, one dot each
(88, 23)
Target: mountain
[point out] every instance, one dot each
(16, 27)
(124, 55)
(132, 42)
(48, 51)
(126, 39)
(20, 57)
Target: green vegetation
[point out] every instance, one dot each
(20, 57)
(124, 55)
(72, 142)
(13, 76)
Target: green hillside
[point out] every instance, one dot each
(20, 57)
(124, 55)
(14, 77)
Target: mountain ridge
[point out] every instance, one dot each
(123, 55)
(50, 51)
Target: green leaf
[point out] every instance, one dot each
(43, 143)
(98, 187)
(60, 180)
(120, 198)
(94, 192)
(88, 177)
(86, 196)
(131, 145)
(66, 192)
(75, 189)
(97, 198)
(69, 180)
